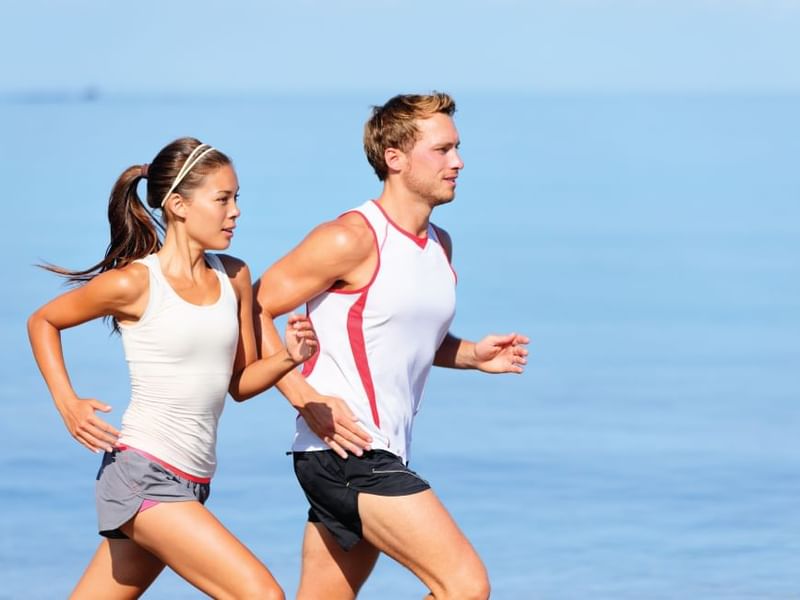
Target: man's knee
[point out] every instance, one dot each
(470, 583)
(476, 588)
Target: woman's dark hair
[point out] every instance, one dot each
(134, 229)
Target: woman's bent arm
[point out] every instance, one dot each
(117, 293)
(252, 375)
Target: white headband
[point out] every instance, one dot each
(187, 166)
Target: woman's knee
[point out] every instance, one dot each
(259, 586)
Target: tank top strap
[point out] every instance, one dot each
(226, 286)
(147, 261)
(156, 291)
(154, 267)
(376, 219)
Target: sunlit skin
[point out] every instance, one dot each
(423, 176)
(209, 216)
(183, 535)
(416, 530)
(433, 162)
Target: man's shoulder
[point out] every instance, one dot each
(350, 233)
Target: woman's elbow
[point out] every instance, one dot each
(237, 393)
(35, 322)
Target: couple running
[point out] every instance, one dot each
(380, 291)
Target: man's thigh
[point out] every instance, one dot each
(418, 531)
(332, 486)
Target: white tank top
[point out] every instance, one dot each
(180, 357)
(376, 344)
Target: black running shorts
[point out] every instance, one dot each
(332, 485)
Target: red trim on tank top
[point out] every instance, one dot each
(166, 465)
(377, 251)
(419, 241)
(436, 231)
(355, 331)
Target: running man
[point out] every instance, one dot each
(381, 295)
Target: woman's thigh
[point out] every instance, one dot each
(192, 542)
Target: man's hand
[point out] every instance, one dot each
(501, 353)
(335, 424)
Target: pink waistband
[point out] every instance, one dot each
(166, 465)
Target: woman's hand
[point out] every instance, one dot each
(301, 340)
(86, 427)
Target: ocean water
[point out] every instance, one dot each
(648, 245)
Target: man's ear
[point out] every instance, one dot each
(395, 159)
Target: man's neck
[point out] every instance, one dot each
(407, 210)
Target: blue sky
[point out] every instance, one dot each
(248, 45)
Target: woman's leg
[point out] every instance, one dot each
(192, 542)
(119, 570)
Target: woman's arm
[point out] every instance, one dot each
(121, 294)
(252, 375)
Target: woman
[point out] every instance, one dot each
(185, 318)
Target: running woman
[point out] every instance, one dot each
(185, 318)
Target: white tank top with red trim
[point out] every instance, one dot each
(377, 344)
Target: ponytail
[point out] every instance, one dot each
(179, 167)
(134, 231)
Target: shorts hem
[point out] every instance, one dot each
(114, 532)
(393, 494)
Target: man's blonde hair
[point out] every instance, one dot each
(393, 125)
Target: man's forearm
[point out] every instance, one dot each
(455, 353)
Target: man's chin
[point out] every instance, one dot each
(444, 199)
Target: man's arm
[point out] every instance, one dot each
(340, 253)
(493, 354)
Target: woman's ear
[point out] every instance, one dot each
(177, 205)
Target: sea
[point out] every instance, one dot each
(648, 244)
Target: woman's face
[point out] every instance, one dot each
(211, 211)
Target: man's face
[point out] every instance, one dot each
(433, 161)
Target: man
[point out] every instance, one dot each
(381, 295)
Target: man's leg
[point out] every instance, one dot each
(329, 571)
(417, 531)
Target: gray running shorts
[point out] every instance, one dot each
(126, 479)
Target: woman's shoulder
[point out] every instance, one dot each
(120, 287)
(237, 271)
(233, 266)
(133, 277)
